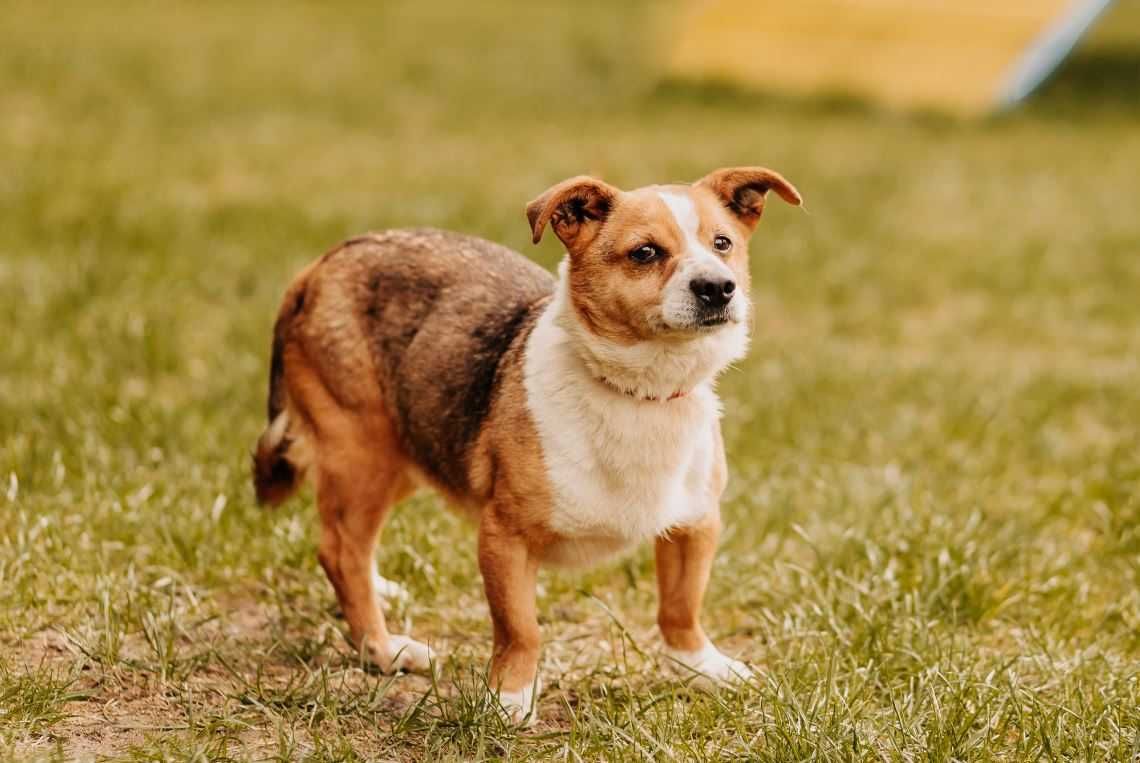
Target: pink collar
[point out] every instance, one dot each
(646, 398)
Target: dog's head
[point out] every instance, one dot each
(661, 261)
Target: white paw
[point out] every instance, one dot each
(520, 706)
(402, 654)
(387, 589)
(708, 668)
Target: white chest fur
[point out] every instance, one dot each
(621, 469)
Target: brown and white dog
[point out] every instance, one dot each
(570, 418)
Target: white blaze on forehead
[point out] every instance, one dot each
(684, 211)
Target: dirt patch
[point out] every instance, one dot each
(240, 669)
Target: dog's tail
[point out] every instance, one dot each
(280, 459)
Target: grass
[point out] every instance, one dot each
(933, 527)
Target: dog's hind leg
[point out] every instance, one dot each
(360, 477)
(325, 379)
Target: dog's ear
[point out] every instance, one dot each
(742, 190)
(575, 209)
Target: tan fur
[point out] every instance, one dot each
(386, 346)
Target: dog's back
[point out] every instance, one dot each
(403, 331)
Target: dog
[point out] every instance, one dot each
(570, 418)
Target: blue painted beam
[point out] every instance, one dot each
(1048, 51)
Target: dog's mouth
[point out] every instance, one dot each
(698, 324)
(698, 320)
(712, 321)
(714, 318)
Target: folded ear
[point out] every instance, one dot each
(575, 209)
(742, 190)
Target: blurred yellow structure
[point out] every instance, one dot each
(964, 56)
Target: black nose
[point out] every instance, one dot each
(713, 292)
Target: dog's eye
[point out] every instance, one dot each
(645, 253)
(722, 243)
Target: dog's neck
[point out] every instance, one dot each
(650, 371)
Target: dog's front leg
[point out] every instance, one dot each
(510, 572)
(684, 560)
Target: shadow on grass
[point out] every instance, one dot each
(1102, 80)
(718, 93)
(730, 96)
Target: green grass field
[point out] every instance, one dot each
(933, 527)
